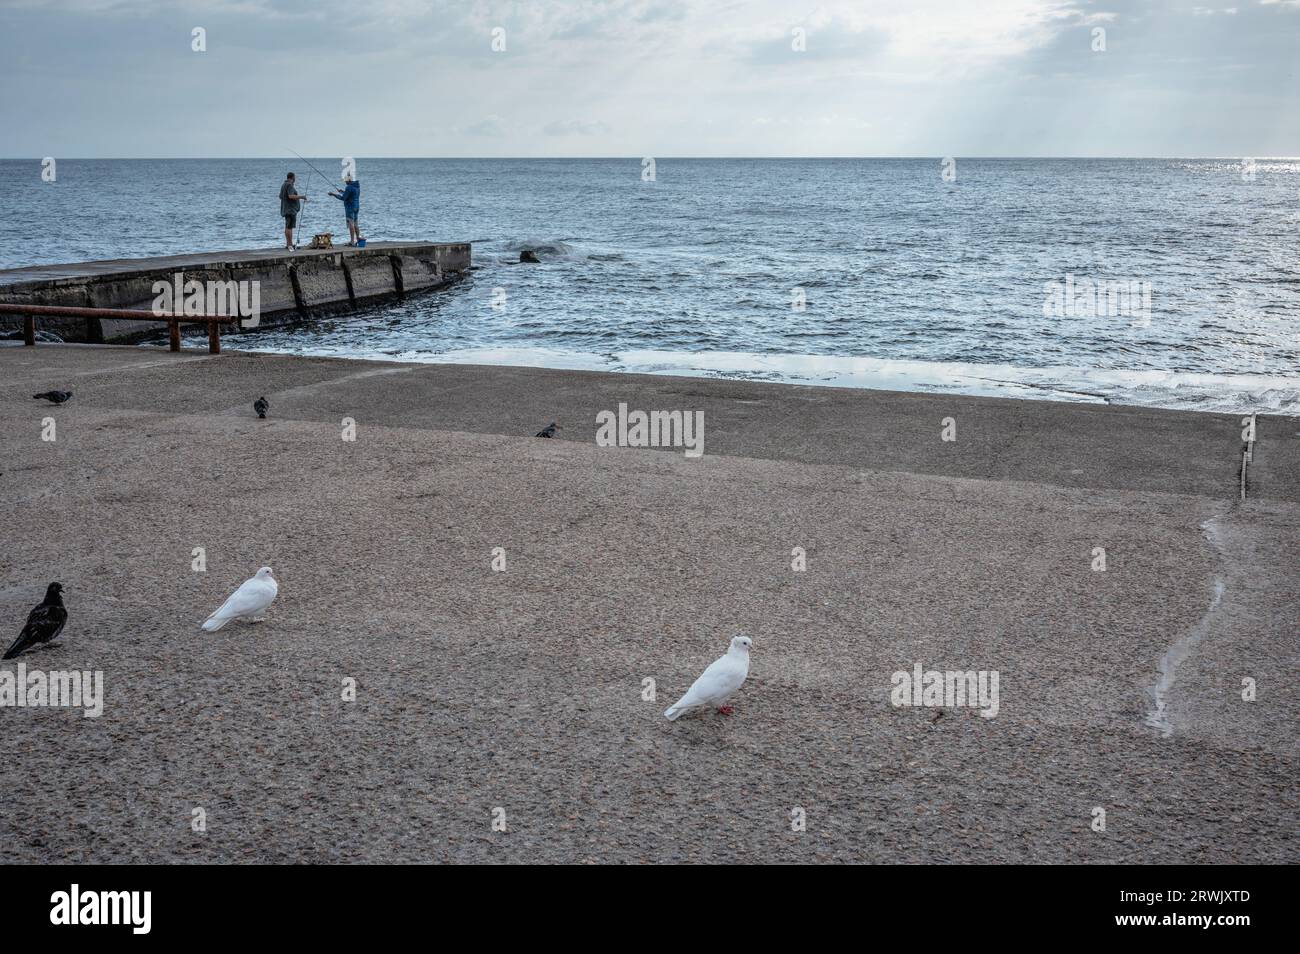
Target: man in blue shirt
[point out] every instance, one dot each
(351, 198)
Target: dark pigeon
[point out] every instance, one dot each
(54, 397)
(261, 407)
(44, 622)
(549, 430)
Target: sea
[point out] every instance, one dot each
(1155, 282)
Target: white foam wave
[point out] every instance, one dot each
(1229, 393)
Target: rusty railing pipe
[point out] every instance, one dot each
(31, 312)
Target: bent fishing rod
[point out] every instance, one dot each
(315, 170)
(301, 209)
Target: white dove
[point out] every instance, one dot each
(252, 597)
(718, 683)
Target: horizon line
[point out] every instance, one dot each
(630, 158)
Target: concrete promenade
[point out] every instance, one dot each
(522, 690)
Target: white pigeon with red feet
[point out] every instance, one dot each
(718, 683)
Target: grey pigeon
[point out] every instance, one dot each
(54, 397)
(261, 407)
(43, 623)
(549, 430)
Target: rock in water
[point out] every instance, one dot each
(529, 257)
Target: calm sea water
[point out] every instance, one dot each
(908, 281)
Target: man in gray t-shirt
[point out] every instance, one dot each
(289, 206)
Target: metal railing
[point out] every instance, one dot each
(31, 312)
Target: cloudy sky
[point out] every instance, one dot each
(650, 78)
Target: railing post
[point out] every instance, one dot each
(214, 336)
(29, 331)
(174, 335)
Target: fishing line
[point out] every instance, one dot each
(315, 170)
(302, 207)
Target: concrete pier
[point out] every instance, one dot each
(292, 285)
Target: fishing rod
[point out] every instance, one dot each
(315, 170)
(319, 173)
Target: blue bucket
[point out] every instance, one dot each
(361, 243)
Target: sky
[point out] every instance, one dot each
(629, 78)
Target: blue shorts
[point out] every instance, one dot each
(350, 216)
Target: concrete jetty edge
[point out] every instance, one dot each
(292, 285)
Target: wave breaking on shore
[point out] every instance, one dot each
(1175, 390)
